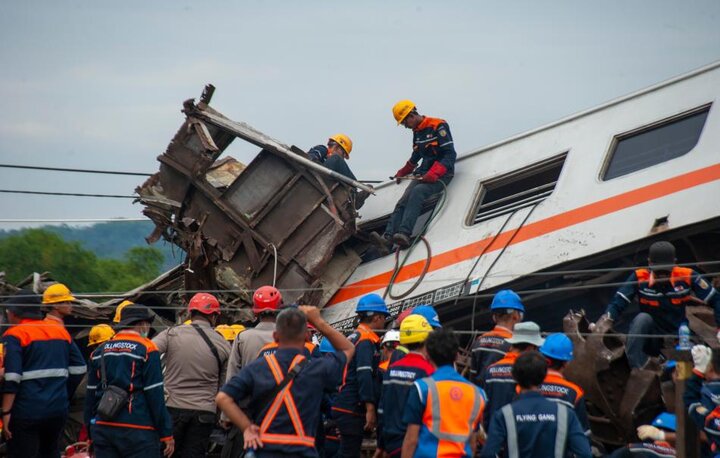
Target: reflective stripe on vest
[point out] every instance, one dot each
(284, 397)
(436, 415)
(512, 437)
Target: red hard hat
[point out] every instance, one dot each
(204, 303)
(266, 299)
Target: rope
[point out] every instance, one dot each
(398, 267)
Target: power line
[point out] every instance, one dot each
(70, 194)
(75, 220)
(61, 169)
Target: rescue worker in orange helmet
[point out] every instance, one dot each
(532, 425)
(433, 144)
(355, 409)
(59, 299)
(335, 155)
(195, 358)
(43, 367)
(129, 362)
(558, 349)
(286, 388)
(443, 411)
(663, 291)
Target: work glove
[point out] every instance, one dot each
(603, 324)
(433, 175)
(701, 356)
(406, 170)
(650, 432)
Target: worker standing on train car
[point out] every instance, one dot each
(491, 346)
(497, 379)
(558, 349)
(663, 291)
(433, 144)
(355, 405)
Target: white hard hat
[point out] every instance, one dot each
(391, 336)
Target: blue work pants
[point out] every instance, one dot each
(407, 210)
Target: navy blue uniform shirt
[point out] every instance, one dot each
(433, 143)
(319, 375)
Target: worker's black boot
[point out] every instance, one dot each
(401, 240)
(384, 245)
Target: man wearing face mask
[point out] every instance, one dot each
(132, 363)
(663, 291)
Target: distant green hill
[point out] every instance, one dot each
(113, 240)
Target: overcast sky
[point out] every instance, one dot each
(99, 84)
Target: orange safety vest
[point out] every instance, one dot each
(452, 412)
(284, 397)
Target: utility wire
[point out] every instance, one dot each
(61, 169)
(72, 194)
(76, 220)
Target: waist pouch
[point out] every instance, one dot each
(112, 401)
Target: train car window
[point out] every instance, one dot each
(655, 144)
(515, 190)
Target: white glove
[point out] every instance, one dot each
(701, 356)
(650, 432)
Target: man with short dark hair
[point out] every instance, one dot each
(132, 363)
(444, 411)
(195, 357)
(533, 426)
(283, 423)
(663, 291)
(43, 367)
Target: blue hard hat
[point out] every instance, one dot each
(372, 303)
(326, 346)
(665, 421)
(428, 312)
(507, 299)
(558, 346)
(670, 365)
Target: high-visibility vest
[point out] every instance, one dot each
(284, 398)
(451, 413)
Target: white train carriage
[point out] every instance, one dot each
(592, 190)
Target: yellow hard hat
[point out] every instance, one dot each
(414, 329)
(100, 333)
(118, 310)
(344, 142)
(402, 109)
(187, 322)
(57, 293)
(229, 332)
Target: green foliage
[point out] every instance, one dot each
(40, 250)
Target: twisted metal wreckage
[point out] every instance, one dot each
(286, 220)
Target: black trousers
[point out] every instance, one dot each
(351, 429)
(35, 438)
(191, 431)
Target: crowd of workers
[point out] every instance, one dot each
(292, 385)
(280, 393)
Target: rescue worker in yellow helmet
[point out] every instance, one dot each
(335, 155)
(118, 310)
(59, 299)
(228, 331)
(98, 334)
(433, 144)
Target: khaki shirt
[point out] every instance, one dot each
(247, 345)
(191, 371)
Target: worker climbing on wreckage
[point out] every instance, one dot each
(335, 155)
(433, 144)
(663, 291)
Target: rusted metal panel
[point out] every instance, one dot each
(234, 221)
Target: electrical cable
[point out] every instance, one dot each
(75, 220)
(62, 169)
(114, 196)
